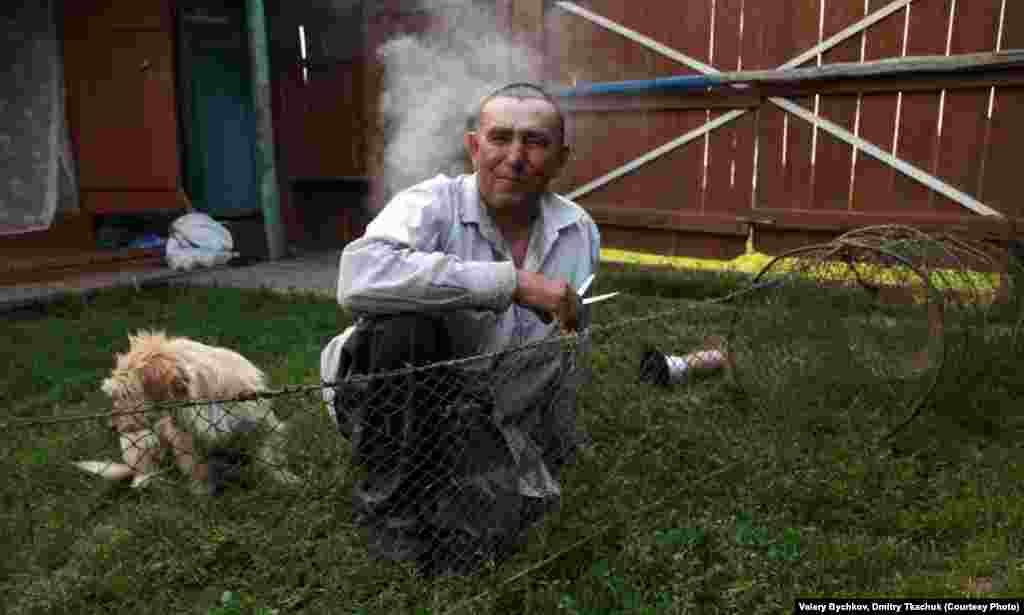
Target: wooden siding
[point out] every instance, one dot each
(800, 182)
(119, 69)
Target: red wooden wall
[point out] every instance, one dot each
(800, 182)
(119, 69)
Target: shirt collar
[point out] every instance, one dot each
(555, 214)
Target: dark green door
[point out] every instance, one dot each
(220, 152)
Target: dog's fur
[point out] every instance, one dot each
(158, 368)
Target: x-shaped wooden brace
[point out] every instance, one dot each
(835, 130)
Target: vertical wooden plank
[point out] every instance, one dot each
(607, 140)
(670, 183)
(584, 140)
(961, 146)
(683, 26)
(1010, 9)
(834, 158)
(766, 51)
(591, 155)
(742, 186)
(975, 30)
(775, 36)
(961, 152)
(639, 189)
(1002, 187)
(583, 52)
(723, 193)
(798, 176)
(798, 173)
(680, 174)
(918, 130)
(731, 166)
(1002, 178)
(599, 55)
(758, 54)
(744, 131)
(760, 39)
(873, 181)
(1013, 25)
(783, 143)
(675, 182)
(328, 114)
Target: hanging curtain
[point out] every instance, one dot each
(37, 176)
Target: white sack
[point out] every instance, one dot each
(197, 240)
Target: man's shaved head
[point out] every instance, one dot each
(520, 91)
(517, 147)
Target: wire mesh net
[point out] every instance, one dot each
(452, 466)
(889, 308)
(456, 461)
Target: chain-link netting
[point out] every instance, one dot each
(456, 459)
(451, 466)
(888, 308)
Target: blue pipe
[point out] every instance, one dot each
(687, 82)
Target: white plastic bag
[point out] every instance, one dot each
(197, 240)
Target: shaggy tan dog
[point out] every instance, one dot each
(158, 368)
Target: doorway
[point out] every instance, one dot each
(218, 120)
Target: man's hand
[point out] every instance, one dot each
(548, 298)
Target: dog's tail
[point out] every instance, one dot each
(113, 471)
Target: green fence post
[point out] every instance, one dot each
(266, 169)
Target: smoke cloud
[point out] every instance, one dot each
(433, 82)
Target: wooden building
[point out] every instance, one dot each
(159, 104)
(161, 113)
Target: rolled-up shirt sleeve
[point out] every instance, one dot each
(399, 265)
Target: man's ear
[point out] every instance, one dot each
(472, 142)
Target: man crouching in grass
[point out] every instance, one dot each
(458, 468)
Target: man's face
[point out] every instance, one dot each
(517, 150)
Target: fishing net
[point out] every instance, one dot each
(887, 308)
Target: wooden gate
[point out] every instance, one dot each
(694, 172)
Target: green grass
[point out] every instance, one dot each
(705, 497)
